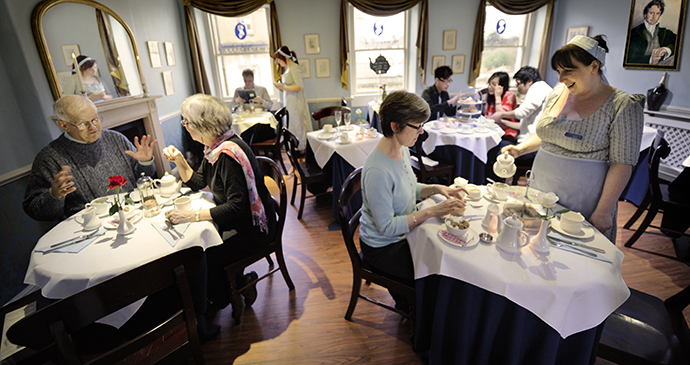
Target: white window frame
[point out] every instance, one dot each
(215, 58)
(365, 97)
(527, 48)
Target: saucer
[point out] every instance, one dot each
(471, 238)
(370, 136)
(585, 231)
(134, 218)
(325, 135)
(492, 199)
(338, 141)
(487, 130)
(469, 131)
(448, 131)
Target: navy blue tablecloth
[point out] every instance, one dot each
(459, 323)
(466, 163)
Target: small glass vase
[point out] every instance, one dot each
(125, 227)
(539, 242)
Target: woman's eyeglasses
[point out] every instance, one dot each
(83, 125)
(415, 127)
(184, 122)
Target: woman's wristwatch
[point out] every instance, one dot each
(196, 216)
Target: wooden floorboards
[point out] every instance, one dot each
(306, 326)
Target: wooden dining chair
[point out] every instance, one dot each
(50, 331)
(361, 270)
(274, 145)
(305, 171)
(657, 197)
(328, 111)
(647, 330)
(270, 169)
(423, 171)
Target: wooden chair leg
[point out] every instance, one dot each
(283, 268)
(354, 296)
(301, 199)
(295, 177)
(269, 260)
(279, 157)
(640, 209)
(653, 209)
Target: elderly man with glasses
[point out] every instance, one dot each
(437, 96)
(73, 169)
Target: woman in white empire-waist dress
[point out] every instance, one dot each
(295, 101)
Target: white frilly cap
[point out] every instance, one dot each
(287, 55)
(85, 60)
(592, 47)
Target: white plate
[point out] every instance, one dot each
(325, 135)
(471, 237)
(487, 130)
(370, 136)
(466, 132)
(585, 231)
(448, 131)
(338, 141)
(492, 199)
(111, 223)
(347, 128)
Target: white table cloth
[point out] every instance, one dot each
(648, 135)
(355, 153)
(569, 292)
(478, 143)
(60, 275)
(241, 122)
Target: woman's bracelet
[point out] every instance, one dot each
(414, 219)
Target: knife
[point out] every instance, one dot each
(574, 243)
(82, 237)
(557, 243)
(72, 243)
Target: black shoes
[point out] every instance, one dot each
(250, 293)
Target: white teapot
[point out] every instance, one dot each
(505, 166)
(167, 185)
(509, 235)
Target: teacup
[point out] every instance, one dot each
(460, 181)
(101, 204)
(183, 203)
(571, 222)
(89, 219)
(371, 132)
(344, 138)
(466, 128)
(497, 190)
(328, 128)
(473, 192)
(437, 124)
(481, 128)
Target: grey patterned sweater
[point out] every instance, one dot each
(91, 165)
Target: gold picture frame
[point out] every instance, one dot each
(311, 44)
(437, 61)
(449, 39)
(457, 64)
(323, 67)
(67, 50)
(575, 31)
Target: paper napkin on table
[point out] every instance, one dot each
(76, 247)
(180, 227)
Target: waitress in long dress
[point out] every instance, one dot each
(588, 137)
(295, 101)
(93, 86)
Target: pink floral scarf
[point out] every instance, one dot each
(222, 145)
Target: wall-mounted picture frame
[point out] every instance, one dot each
(449, 38)
(437, 61)
(67, 50)
(311, 44)
(669, 33)
(168, 83)
(306, 69)
(154, 54)
(170, 53)
(323, 67)
(457, 64)
(572, 32)
(63, 75)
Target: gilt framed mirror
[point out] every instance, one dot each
(97, 32)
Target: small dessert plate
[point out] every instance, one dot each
(134, 218)
(339, 141)
(470, 240)
(325, 135)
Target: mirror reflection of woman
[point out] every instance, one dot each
(94, 87)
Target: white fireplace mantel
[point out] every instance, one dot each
(121, 111)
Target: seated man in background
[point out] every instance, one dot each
(437, 96)
(73, 169)
(530, 84)
(261, 96)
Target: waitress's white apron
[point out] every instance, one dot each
(578, 183)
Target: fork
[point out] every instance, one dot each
(167, 228)
(172, 227)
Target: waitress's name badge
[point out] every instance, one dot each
(573, 135)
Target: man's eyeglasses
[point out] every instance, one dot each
(518, 83)
(83, 125)
(446, 81)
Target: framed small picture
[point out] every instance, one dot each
(168, 83)
(323, 67)
(311, 44)
(458, 64)
(572, 32)
(170, 53)
(67, 50)
(437, 61)
(306, 69)
(449, 37)
(154, 54)
(63, 75)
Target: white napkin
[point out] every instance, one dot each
(74, 248)
(168, 234)
(426, 161)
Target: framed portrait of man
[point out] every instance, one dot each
(655, 34)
